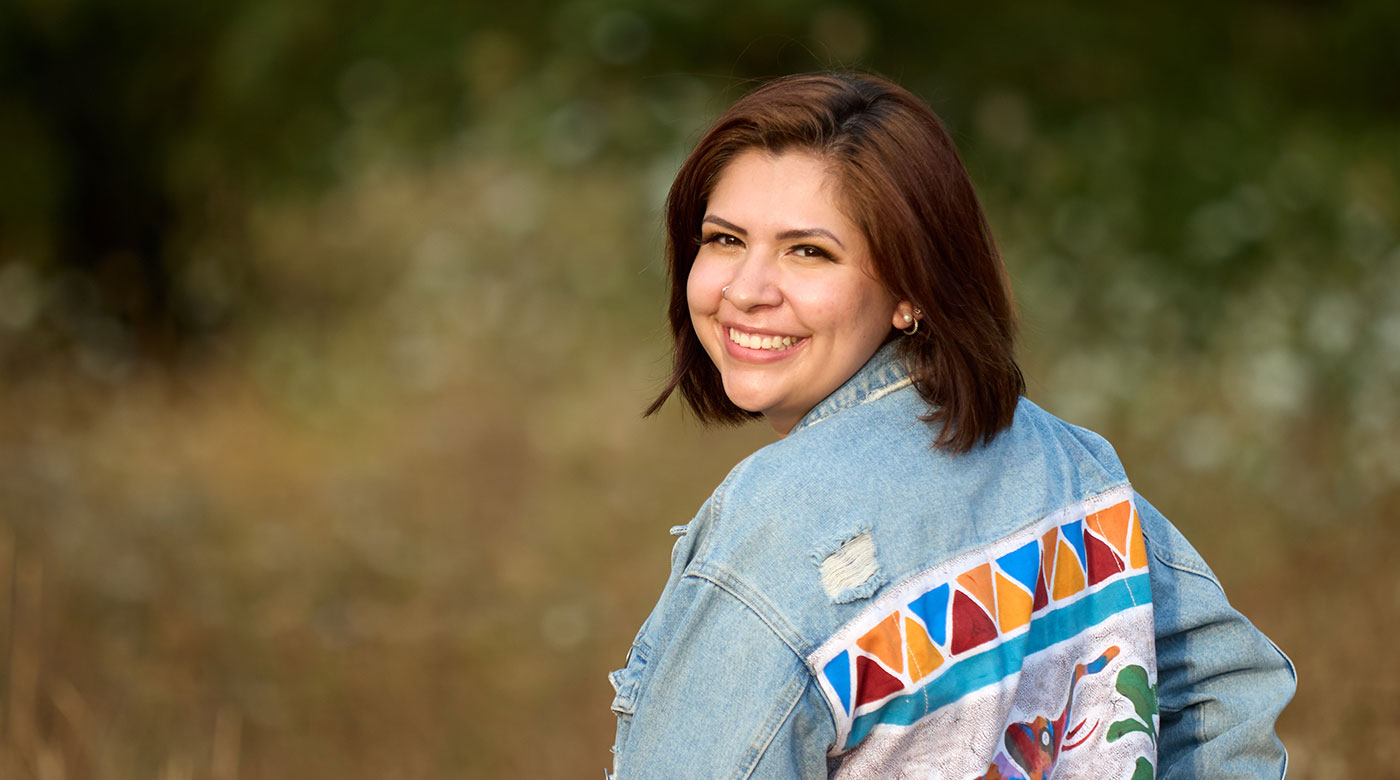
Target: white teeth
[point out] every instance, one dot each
(761, 342)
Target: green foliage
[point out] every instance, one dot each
(1133, 684)
(1189, 148)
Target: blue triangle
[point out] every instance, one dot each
(932, 608)
(1074, 534)
(1022, 564)
(838, 673)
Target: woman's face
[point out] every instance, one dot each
(782, 293)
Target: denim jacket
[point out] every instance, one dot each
(851, 602)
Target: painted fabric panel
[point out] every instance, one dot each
(1026, 658)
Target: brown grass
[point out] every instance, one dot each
(408, 538)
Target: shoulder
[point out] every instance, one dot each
(825, 519)
(824, 482)
(877, 461)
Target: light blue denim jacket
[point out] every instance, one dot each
(851, 602)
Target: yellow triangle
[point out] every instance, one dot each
(1069, 578)
(1137, 553)
(1013, 604)
(923, 656)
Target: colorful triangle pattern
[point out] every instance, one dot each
(964, 614)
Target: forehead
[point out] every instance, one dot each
(796, 188)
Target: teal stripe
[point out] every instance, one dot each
(1005, 659)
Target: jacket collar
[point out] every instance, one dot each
(882, 374)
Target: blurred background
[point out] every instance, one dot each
(325, 330)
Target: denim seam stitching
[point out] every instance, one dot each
(725, 580)
(717, 509)
(873, 395)
(1205, 574)
(771, 729)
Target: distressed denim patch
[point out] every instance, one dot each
(850, 568)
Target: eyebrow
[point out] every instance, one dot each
(783, 236)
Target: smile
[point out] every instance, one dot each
(756, 341)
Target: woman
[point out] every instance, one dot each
(927, 575)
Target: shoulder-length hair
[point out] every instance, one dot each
(902, 183)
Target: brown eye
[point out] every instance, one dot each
(721, 239)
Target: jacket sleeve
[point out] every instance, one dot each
(723, 698)
(1221, 682)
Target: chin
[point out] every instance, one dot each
(747, 404)
(746, 399)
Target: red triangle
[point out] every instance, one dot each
(1042, 597)
(971, 625)
(873, 683)
(1103, 561)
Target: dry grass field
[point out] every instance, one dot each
(202, 579)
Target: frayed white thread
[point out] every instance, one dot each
(851, 566)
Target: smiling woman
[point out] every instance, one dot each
(927, 575)
(782, 292)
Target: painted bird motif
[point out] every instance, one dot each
(1032, 747)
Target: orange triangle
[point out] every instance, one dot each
(1069, 577)
(1013, 604)
(1047, 553)
(1137, 553)
(883, 642)
(923, 656)
(1112, 524)
(978, 583)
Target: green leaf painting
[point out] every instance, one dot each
(1134, 685)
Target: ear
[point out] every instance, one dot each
(905, 315)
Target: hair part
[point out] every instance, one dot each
(901, 181)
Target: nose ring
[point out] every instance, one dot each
(724, 292)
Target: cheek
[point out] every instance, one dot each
(703, 287)
(847, 309)
(876, 309)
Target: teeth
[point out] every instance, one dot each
(760, 342)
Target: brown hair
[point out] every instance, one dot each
(903, 184)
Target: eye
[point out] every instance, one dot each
(719, 239)
(810, 251)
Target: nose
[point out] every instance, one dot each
(755, 283)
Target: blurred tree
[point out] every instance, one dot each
(112, 88)
(133, 131)
(132, 128)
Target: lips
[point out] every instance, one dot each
(762, 340)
